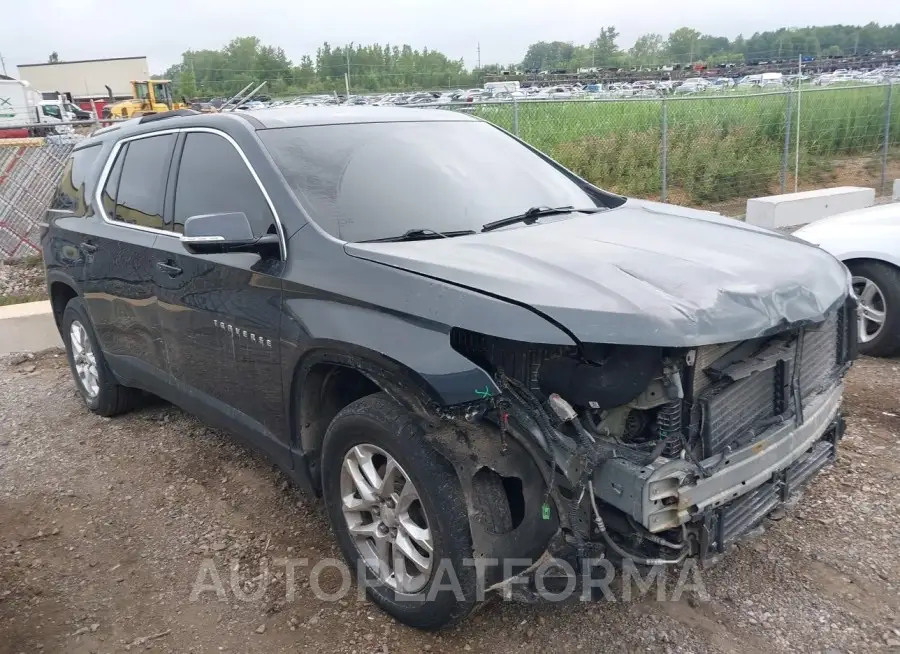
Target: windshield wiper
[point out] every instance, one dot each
(420, 234)
(534, 213)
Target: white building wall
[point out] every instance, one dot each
(87, 78)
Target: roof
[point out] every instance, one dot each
(277, 117)
(79, 61)
(308, 116)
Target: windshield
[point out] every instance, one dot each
(372, 181)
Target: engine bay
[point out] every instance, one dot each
(656, 454)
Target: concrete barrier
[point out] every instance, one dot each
(27, 327)
(792, 209)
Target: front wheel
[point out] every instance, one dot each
(877, 289)
(397, 510)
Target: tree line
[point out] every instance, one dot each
(376, 67)
(245, 60)
(687, 45)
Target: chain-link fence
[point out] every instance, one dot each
(711, 151)
(30, 170)
(717, 150)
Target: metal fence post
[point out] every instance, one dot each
(785, 154)
(515, 116)
(887, 137)
(664, 153)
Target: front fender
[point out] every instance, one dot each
(409, 354)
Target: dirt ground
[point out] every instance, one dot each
(105, 524)
(22, 280)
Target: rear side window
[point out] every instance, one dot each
(213, 178)
(136, 186)
(71, 194)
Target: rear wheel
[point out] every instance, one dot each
(397, 510)
(93, 378)
(877, 288)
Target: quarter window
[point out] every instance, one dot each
(110, 189)
(137, 190)
(70, 195)
(213, 178)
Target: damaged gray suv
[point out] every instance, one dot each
(469, 352)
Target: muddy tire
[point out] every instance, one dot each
(398, 513)
(93, 378)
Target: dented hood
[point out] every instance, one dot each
(643, 274)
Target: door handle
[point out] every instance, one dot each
(169, 269)
(87, 248)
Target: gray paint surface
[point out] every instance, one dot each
(642, 274)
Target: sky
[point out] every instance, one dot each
(161, 30)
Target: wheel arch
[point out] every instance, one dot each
(870, 258)
(330, 376)
(61, 288)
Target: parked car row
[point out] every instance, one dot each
(577, 91)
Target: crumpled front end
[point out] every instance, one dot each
(763, 419)
(656, 454)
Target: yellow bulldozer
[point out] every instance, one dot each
(147, 97)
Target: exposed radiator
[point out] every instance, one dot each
(738, 517)
(724, 411)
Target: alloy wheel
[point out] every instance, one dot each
(872, 308)
(386, 519)
(84, 359)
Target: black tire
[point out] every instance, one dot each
(378, 420)
(111, 398)
(887, 278)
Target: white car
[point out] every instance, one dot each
(868, 242)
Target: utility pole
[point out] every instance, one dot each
(856, 44)
(2, 63)
(347, 76)
(479, 56)
(797, 146)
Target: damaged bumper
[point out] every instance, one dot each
(667, 494)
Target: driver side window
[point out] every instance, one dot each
(213, 178)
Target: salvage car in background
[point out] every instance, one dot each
(868, 242)
(466, 349)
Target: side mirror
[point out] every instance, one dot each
(224, 232)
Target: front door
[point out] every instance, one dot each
(220, 313)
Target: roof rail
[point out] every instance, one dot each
(105, 129)
(149, 118)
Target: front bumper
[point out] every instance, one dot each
(669, 493)
(734, 520)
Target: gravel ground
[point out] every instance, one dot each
(22, 280)
(105, 525)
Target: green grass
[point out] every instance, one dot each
(720, 147)
(6, 300)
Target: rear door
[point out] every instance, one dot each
(220, 313)
(119, 280)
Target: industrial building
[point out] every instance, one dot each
(87, 79)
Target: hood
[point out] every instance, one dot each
(879, 216)
(872, 233)
(642, 274)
